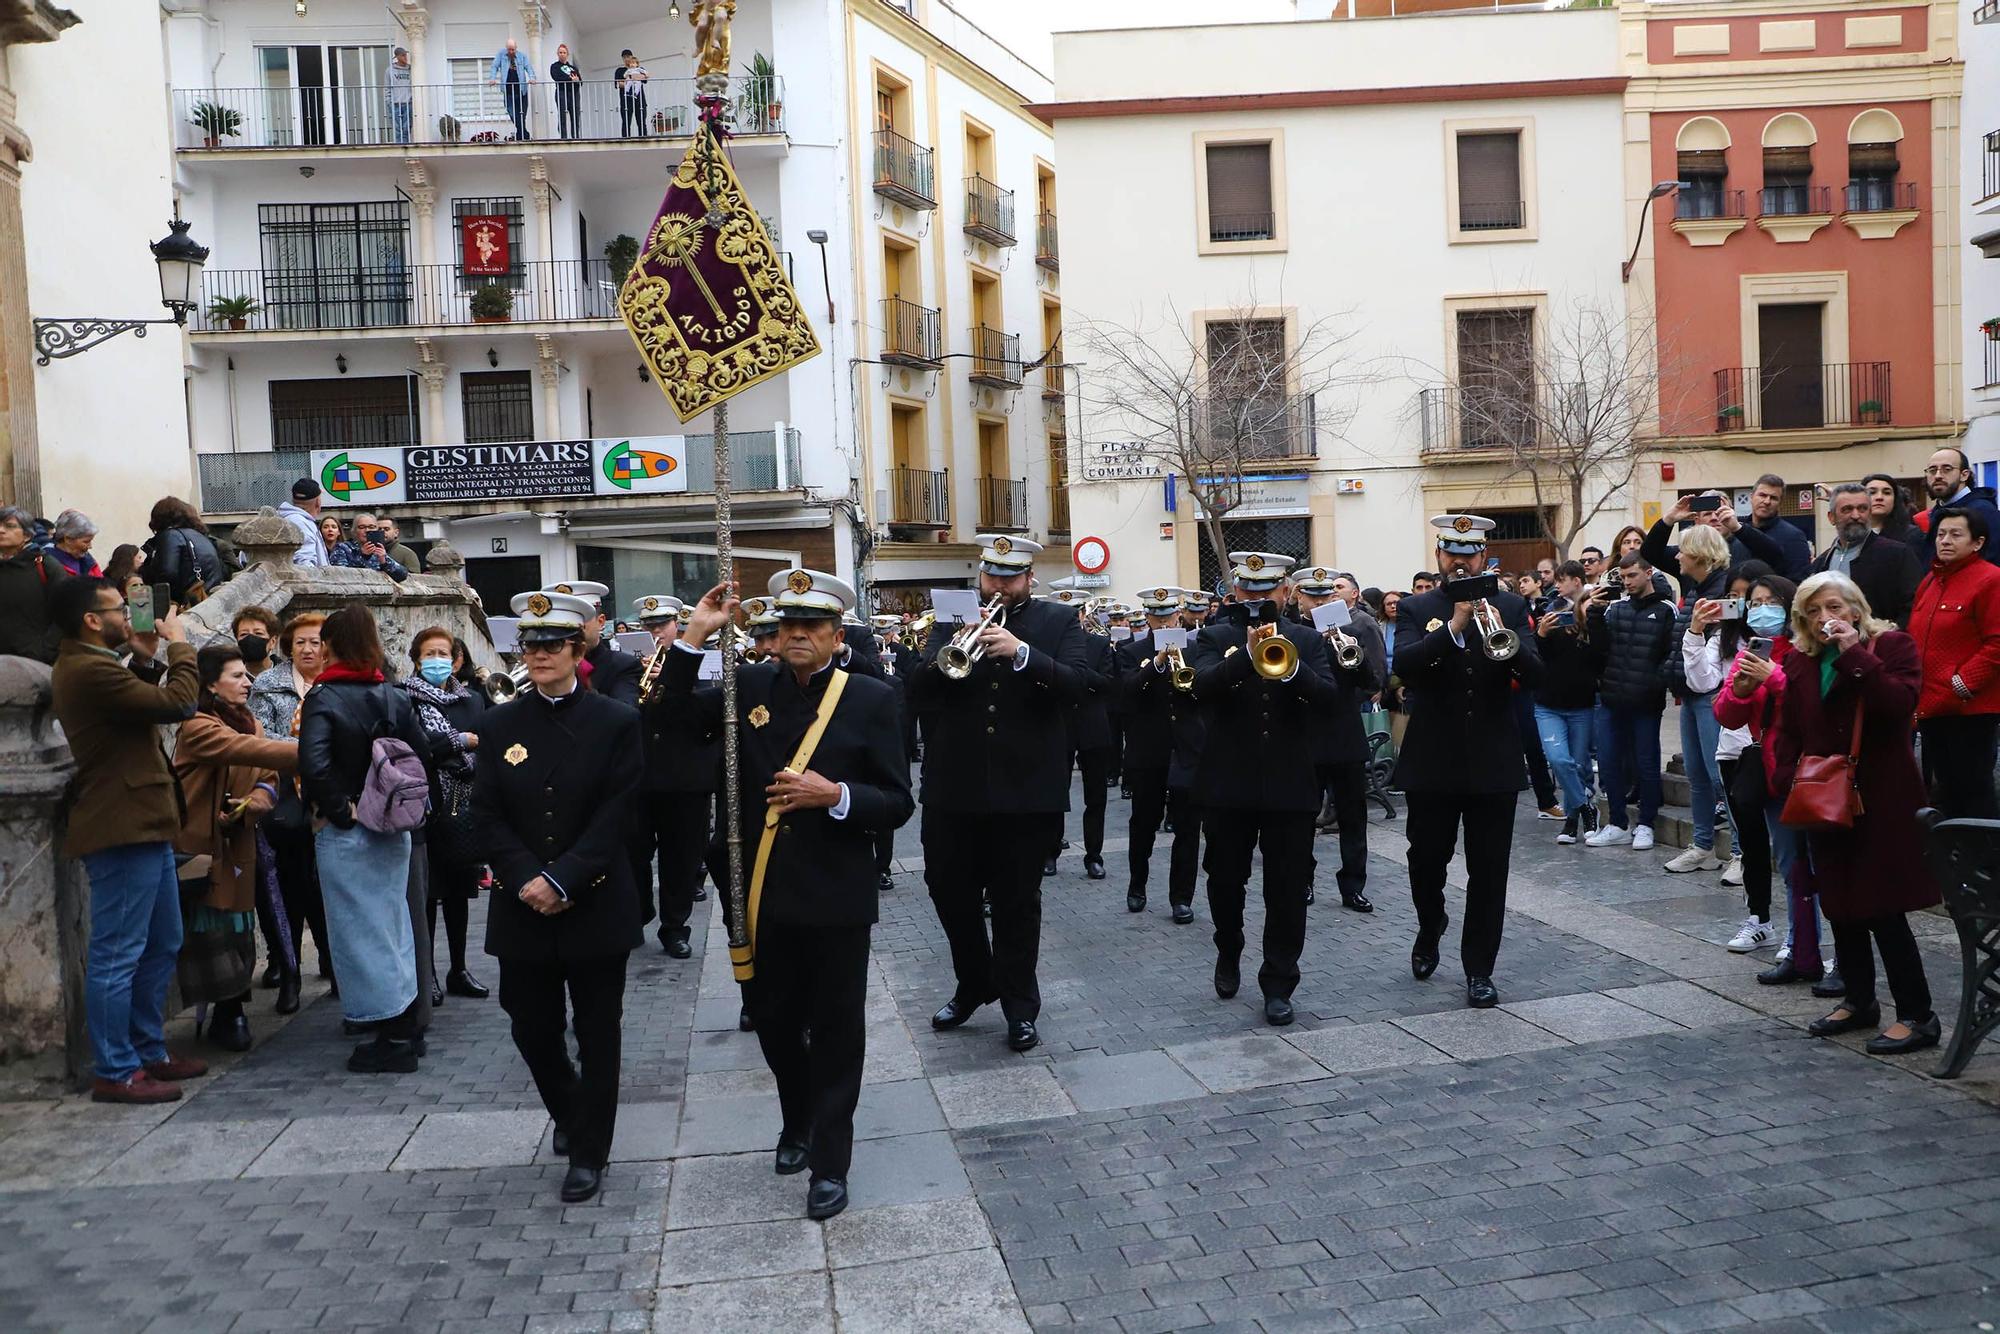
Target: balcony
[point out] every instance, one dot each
(989, 212)
(919, 499)
(1876, 210)
(905, 172)
(1698, 203)
(1059, 508)
(1987, 13)
(420, 295)
(1256, 429)
(1989, 170)
(1506, 215)
(1003, 504)
(1223, 227)
(243, 120)
(1045, 242)
(1455, 419)
(1991, 378)
(1779, 398)
(1791, 201)
(910, 334)
(996, 358)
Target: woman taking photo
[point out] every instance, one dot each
(1718, 664)
(363, 874)
(275, 697)
(1850, 671)
(228, 773)
(1703, 558)
(448, 711)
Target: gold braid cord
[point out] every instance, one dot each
(710, 307)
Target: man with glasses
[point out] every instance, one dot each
(1948, 478)
(122, 823)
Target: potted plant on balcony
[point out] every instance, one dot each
(234, 311)
(215, 120)
(1730, 418)
(449, 129)
(1991, 328)
(621, 252)
(492, 303)
(760, 93)
(1869, 410)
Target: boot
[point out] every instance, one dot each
(1326, 820)
(288, 994)
(384, 1056)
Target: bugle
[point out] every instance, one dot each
(913, 635)
(1346, 648)
(1183, 674)
(1274, 656)
(957, 658)
(651, 676)
(501, 686)
(1496, 641)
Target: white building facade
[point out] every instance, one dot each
(1979, 122)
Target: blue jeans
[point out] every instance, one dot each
(1700, 735)
(1631, 754)
(399, 121)
(1566, 740)
(135, 936)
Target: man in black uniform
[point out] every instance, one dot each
(553, 797)
(1340, 746)
(1461, 758)
(613, 671)
(1163, 733)
(996, 785)
(676, 796)
(897, 663)
(1090, 732)
(820, 772)
(1256, 785)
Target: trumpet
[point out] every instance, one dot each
(1177, 664)
(1276, 656)
(957, 658)
(1346, 648)
(501, 686)
(1496, 641)
(650, 678)
(913, 635)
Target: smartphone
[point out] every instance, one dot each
(1562, 618)
(1763, 646)
(1732, 608)
(1472, 587)
(1705, 504)
(146, 604)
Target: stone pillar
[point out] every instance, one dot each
(433, 372)
(267, 540)
(531, 19)
(444, 561)
(542, 291)
(433, 291)
(44, 901)
(428, 103)
(549, 364)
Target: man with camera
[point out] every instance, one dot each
(1631, 631)
(368, 549)
(1565, 703)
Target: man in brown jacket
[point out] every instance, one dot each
(125, 813)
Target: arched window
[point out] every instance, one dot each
(1872, 141)
(1702, 163)
(1788, 187)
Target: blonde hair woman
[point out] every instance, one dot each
(1858, 671)
(1704, 574)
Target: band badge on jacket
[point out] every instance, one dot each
(1434, 626)
(759, 716)
(515, 753)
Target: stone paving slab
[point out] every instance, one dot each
(192, 1151)
(988, 1097)
(741, 1250)
(1686, 1004)
(314, 1144)
(1099, 1083)
(1226, 1064)
(968, 1292)
(1378, 1046)
(1467, 1035)
(474, 1139)
(905, 1232)
(1590, 1018)
(794, 1303)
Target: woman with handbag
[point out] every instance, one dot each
(228, 773)
(449, 710)
(275, 699)
(1848, 769)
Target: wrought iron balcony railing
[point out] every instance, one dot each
(996, 358)
(920, 498)
(910, 334)
(1777, 398)
(420, 294)
(989, 211)
(1242, 226)
(1045, 242)
(1783, 201)
(1880, 196)
(1700, 201)
(905, 171)
(1496, 217)
(1232, 430)
(1003, 503)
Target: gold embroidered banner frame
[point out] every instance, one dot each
(711, 309)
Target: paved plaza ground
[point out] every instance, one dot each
(1640, 1138)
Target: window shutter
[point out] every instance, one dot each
(1489, 180)
(1871, 159)
(1788, 161)
(1239, 192)
(1712, 163)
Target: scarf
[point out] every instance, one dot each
(236, 715)
(454, 774)
(341, 671)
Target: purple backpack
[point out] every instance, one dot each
(397, 793)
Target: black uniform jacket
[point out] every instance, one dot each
(553, 791)
(1337, 734)
(1164, 727)
(822, 870)
(675, 760)
(997, 742)
(614, 672)
(1462, 735)
(1258, 755)
(1090, 719)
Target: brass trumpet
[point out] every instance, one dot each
(1346, 648)
(957, 659)
(1275, 656)
(1177, 665)
(913, 635)
(1496, 641)
(649, 678)
(501, 686)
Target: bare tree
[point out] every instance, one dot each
(1207, 403)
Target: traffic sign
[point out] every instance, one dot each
(1090, 554)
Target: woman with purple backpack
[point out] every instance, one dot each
(360, 750)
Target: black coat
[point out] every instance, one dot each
(553, 795)
(181, 557)
(1631, 640)
(1887, 573)
(614, 673)
(338, 724)
(822, 870)
(1794, 548)
(26, 628)
(1570, 668)
(998, 741)
(1259, 750)
(1337, 734)
(676, 761)
(1979, 499)
(1090, 717)
(1462, 736)
(864, 656)
(1164, 727)
(1716, 585)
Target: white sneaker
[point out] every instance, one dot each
(1611, 836)
(1732, 874)
(1642, 837)
(1784, 953)
(1752, 935)
(1695, 859)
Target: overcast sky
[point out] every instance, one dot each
(1025, 25)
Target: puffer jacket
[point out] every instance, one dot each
(1635, 637)
(337, 732)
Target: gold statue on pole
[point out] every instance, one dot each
(711, 19)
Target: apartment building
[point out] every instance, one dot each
(1979, 190)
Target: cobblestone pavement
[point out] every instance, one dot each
(1639, 1138)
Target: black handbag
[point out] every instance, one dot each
(289, 815)
(452, 834)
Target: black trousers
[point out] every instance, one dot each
(1152, 799)
(631, 115)
(1348, 783)
(531, 992)
(1902, 966)
(567, 95)
(1539, 776)
(972, 857)
(517, 107)
(1286, 838)
(1096, 765)
(885, 851)
(675, 824)
(1117, 771)
(1958, 764)
(298, 885)
(817, 978)
(1432, 825)
(1752, 837)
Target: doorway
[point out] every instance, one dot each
(320, 94)
(498, 578)
(1789, 369)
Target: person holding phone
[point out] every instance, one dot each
(368, 549)
(1565, 703)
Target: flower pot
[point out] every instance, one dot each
(239, 323)
(492, 319)
(210, 141)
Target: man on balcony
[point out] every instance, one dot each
(513, 73)
(398, 79)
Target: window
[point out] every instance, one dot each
(472, 98)
(979, 152)
(1701, 162)
(499, 407)
(1496, 378)
(892, 102)
(906, 431)
(1247, 410)
(346, 412)
(1788, 154)
(335, 266)
(1239, 193)
(1489, 182)
(1873, 162)
(1790, 374)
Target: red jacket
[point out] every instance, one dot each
(1955, 619)
(1761, 709)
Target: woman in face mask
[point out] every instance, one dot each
(256, 632)
(449, 711)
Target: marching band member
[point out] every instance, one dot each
(1163, 736)
(821, 770)
(896, 661)
(554, 800)
(1256, 784)
(1090, 735)
(1462, 759)
(996, 785)
(1340, 746)
(678, 792)
(613, 671)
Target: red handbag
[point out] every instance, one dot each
(1826, 793)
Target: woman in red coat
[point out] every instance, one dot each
(1955, 619)
(1847, 668)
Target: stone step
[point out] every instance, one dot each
(1674, 827)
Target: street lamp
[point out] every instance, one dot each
(179, 260)
(1659, 191)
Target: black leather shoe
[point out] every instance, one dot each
(231, 1033)
(954, 1012)
(1021, 1035)
(273, 975)
(744, 1023)
(1049, 866)
(1424, 956)
(1227, 978)
(1312, 896)
(458, 982)
(791, 1156)
(884, 883)
(677, 947)
(580, 1183)
(826, 1197)
(1784, 972)
(1093, 867)
(1828, 1026)
(437, 994)
(1277, 1010)
(1830, 985)
(1480, 993)
(1135, 902)
(1183, 914)
(1356, 902)
(288, 994)
(1167, 826)
(701, 893)
(1921, 1036)
(384, 1057)
(559, 1142)
(1124, 794)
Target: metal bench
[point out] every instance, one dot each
(1964, 856)
(1381, 765)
